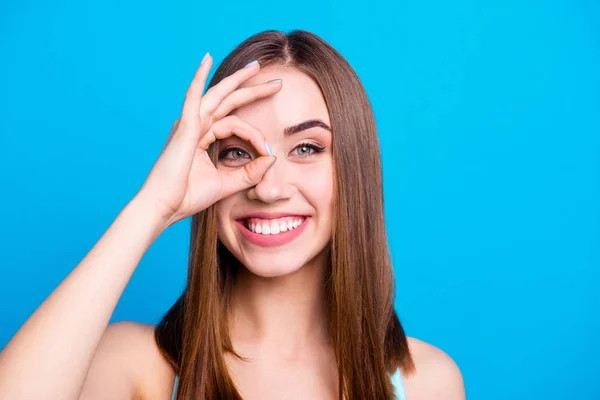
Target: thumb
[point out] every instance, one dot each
(247, 176)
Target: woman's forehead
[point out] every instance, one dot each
(299, 99)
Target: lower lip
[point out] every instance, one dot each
(272, 240)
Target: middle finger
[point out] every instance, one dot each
(246, 95)
(215, 95)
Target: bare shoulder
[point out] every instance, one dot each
(129, 365)
(437, 376)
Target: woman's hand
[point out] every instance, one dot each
(184, 181)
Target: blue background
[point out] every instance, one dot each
(489, 119)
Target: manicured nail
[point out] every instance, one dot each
(274, 81)
(268, 149)
(251, 63)
(272, 162)
(204, 58)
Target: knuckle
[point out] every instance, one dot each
(250, 173)
(226, 103)
(234, 79)
(229, 79)
(206, 140)
(203, 113)
(228, 122)
(233, 101)
(231, 119)
(210, 137)
(217, 127)
(258, 92)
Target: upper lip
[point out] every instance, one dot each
(267, 215)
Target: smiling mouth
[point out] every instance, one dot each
(273, 226)
(272, 232)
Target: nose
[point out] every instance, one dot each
(274, 185)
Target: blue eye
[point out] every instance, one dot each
(308, 149)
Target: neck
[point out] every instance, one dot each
(285, 313)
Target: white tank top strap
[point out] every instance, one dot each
(174, 395)
(398, 384)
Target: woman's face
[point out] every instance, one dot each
(284, 222)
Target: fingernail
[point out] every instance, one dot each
(274, 81)
(268, 148)
(251, 63)
(204, 58)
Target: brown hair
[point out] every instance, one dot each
(368, 339)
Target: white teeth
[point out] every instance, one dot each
(273, 227)
(283, 226)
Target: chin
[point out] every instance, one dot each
(272, 264)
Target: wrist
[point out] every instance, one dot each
(153, 216)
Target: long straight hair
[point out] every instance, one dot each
(368, 339)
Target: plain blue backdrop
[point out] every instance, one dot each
(488, 113)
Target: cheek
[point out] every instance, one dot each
(317, 185)
(223, 211)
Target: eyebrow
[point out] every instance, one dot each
(302, 126)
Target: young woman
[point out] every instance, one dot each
(290, 287)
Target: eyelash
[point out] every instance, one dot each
(312, 146)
